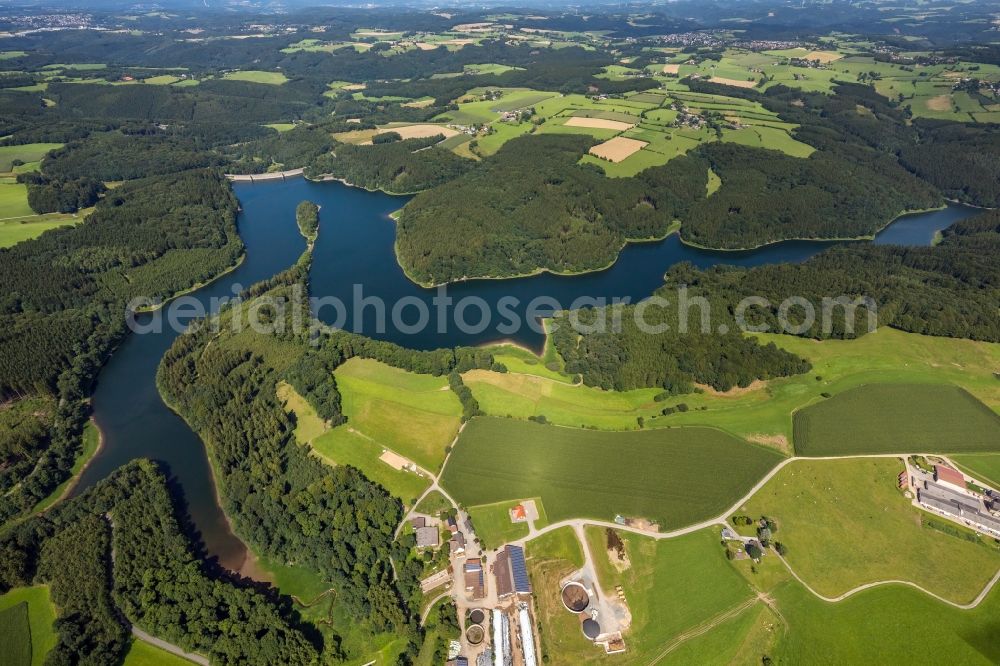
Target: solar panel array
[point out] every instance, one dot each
(519, 569)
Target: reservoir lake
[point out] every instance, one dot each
(355, 247)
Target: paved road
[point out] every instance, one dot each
(169, 647)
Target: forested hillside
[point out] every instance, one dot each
(334, 522)
(116, 556)
(531, 206)
(401, 167)
(950, 290)
(65, 295)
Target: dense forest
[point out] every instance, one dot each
(332, 521)
(117, 556)
(532, 206)
(767, 196)
(672, 359)
(948, 290)
(307, 219)
(65, 296)
(399, 167)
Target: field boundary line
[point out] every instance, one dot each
(703, 628)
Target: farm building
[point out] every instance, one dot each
(457, 543)
(527, 636)
(511, 572)
(944, 500)
(475, 582)
(427, 537)
(948, 476)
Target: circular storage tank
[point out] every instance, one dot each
(475, 634)
(575, 597)
(477, 616)
(591, 629)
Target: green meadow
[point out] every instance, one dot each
(346, 445)
(896, 418)
(985, 467)
(141, 653)
(671, 587)
(493, 526)
(764, 411)
(521, 395)
(29, 152)
(891, 624)
(433, 504)
(550, 558)
(670, 476)
(14, 201)
(16, 633)
(417, 416)
(845, 524)
(37, 614)
(256, 76)
(343, 446)
(650, 112)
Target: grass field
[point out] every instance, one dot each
(669, 476)
(671, 586)
(742, 640)
(29, 152)
(141, 653)
(885, 625)
(417, 416)
(985, 467)
(317, 605)
(845, 524)
(365, 406)
(41, 615)
(343, 446)
(522, 361)
(890, 418)
(550, 558)
(433, 504)
(764, 413)
(493, 526)
(308, 424)
(650, 112)
(25, 228)
(15, 635)
(256, 76)
(522, 395)
(14, 201)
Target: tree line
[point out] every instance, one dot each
(117, 556)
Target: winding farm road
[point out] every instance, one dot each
(861, 588)
(579, 523)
